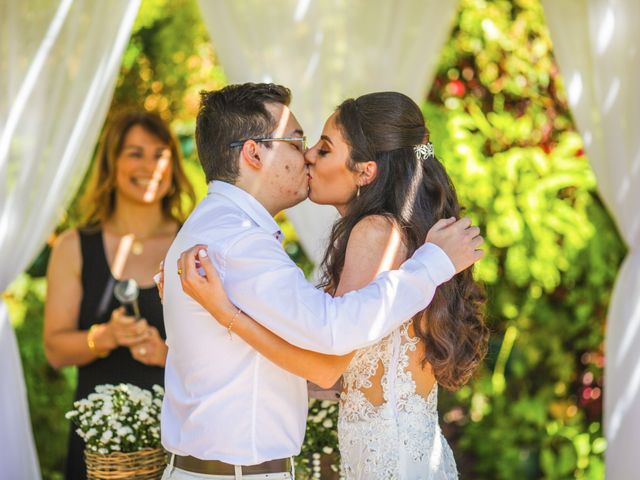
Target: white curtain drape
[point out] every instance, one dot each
(59, 61)
(597, 43)
(327, 51)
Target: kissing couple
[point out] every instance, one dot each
(397, 312)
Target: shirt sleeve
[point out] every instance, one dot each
(263, 281)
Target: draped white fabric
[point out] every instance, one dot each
(58, 66)
(326, 51)
(597, 43)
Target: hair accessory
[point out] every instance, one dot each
(424, 150)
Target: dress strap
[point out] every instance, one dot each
(95, 265)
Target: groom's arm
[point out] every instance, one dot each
(261, 279)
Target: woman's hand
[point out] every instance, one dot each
(204, 286)
(158, 278)
(151, 351)
(127, 330)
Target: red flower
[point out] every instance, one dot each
(456, 88)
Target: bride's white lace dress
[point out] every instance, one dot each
(399, 437)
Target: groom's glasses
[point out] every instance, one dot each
(299, 142)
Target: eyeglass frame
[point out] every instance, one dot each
(240, 143)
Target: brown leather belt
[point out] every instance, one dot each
(215, 467)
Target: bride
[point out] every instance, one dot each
(373, 163)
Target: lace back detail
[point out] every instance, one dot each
(387, 430)
(381, 371)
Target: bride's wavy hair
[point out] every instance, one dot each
(413, 193)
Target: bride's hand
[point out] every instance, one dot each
(158, 278)
(204, 286)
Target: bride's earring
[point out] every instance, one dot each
(358, 192)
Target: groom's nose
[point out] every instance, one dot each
(308, 157)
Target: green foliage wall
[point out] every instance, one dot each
(500, 124)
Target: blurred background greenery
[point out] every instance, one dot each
(499, 121)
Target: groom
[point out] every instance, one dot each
(228, 412)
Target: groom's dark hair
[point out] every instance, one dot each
(234, 113)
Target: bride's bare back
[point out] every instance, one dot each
(388, 423)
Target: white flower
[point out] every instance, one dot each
(328, 423)
(106, 436)
(115, 414)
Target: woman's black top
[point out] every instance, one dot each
(119, 366)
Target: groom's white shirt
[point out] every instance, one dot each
(223, 400)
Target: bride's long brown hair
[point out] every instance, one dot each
(413, 193)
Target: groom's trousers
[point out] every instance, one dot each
(189, 468)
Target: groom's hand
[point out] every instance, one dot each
(459, 240)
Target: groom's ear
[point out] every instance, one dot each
(251, 155)
(368, 172)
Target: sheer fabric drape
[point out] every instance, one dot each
(326, 51)
(597, 43)
(58, 66)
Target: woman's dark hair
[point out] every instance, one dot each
(413, 193)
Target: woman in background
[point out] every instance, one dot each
(132, 209)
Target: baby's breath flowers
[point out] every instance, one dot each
(122, 418)
(321, 438)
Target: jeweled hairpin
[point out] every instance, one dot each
(424, 150)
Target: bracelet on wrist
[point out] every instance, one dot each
(92, 344)
(233, 319)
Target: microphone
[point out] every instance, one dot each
(127, 292)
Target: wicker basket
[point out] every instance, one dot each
(147, 464)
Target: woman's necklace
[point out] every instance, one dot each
(136, 242)
(137, 247)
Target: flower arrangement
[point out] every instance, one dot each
(122, 418)
(320, 457)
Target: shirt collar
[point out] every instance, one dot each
(249, 205)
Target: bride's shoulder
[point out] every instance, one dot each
(379, 230)
(376, 226)
(375, 245)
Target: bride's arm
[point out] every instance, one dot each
(374, 246)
